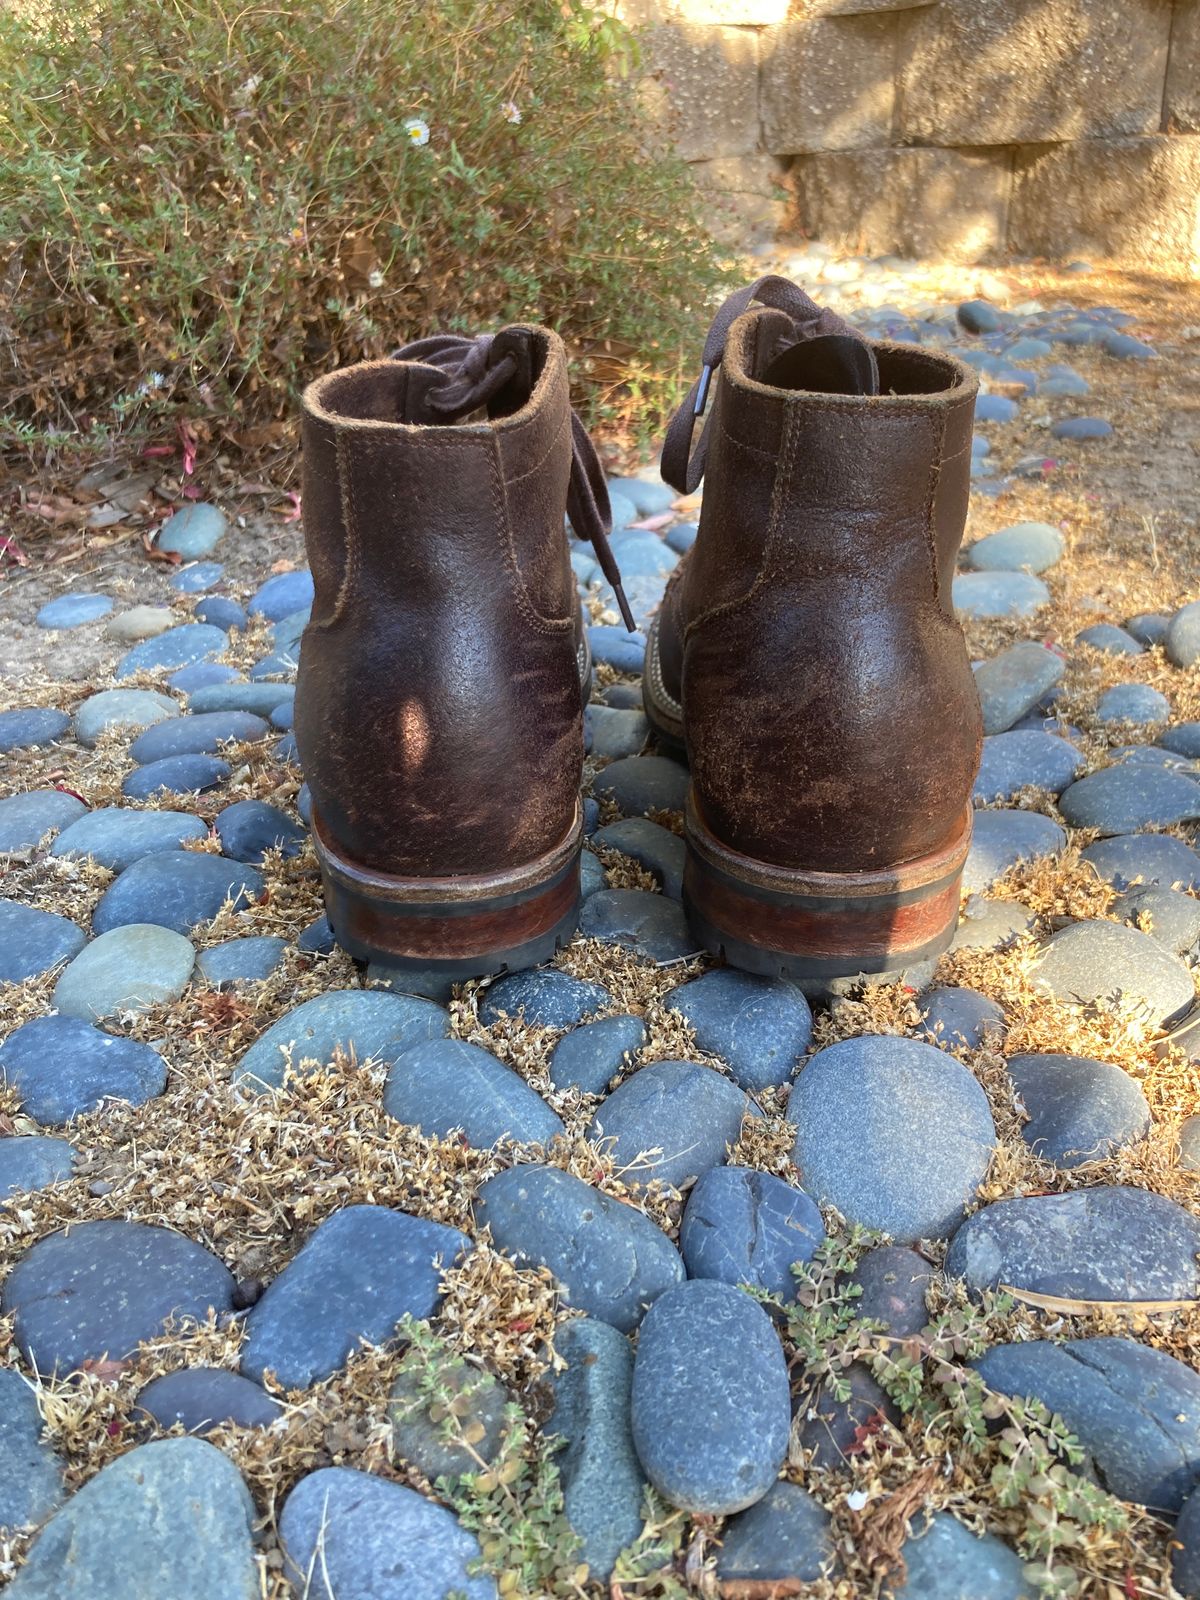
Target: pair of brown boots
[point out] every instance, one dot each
(806, 655)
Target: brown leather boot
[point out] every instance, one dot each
(807, 650)
(443, 673)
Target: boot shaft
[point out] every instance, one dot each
(819, 660)
(438, 707)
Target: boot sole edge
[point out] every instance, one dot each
(818, 927)
(454, 927)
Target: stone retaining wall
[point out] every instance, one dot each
(964, 128)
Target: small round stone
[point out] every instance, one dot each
(115, 837)
(979, 316)
(26, 819)
(197, 577)
(196, 734)
(73, 610)
(748, 1227)
(1165, 914)
(376, 1026)
(240, 960)
(100, 1288)
(616, 732)
(474, 1399)
(894, 1133)
(1101, 961)
(194, 774)
(783, 1539)
(961, 1019)
(946, 1561)
(995, 408)
(761, 1027)
(589, 1056)
(1107, 1243)
(1082, 428)
(444, 1085)
(176, 889)
(544, 998)
(991, 924)
(1148, 627)
(1189, 1143)
(1130, 796)
(1003, 839)
(998, 594)
(639, 784)
(1022, 547)
(1013, 683)
(710, 1404)
(248, 829)
(654, 847)
(170, 1517)
(202, 675)
(610, 1259)
(252, 699)
(192, 532)
(1144, 858)
(29, 1162)
(1132, 702)
(140, 622)
(1182, 642)
(894, 1281)
(1024, 760)
(178, 647)
(1135, 1410)
(31, 1475)
(121, 708)
(30, 727)
(220, 612)
(1079, 1109)
(282, 595)
(671, 1120)
(1182, 738)
(32, 941)
(128, 970)
(372, 1539)
(61, 1067)
(602, 1480)
(1112, 641)
(360, 1272)
(203, 1398)
(651, 925)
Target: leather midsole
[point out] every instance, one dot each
(440, 895)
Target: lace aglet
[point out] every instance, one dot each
(626, 613)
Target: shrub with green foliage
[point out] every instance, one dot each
(236, 198)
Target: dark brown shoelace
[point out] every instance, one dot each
(476, 371)
(683, 467)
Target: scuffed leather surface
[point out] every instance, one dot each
(438, 714)
(830, 711)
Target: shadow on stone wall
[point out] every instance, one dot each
(957, 127)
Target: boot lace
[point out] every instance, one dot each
(473, 377)
(683, 467)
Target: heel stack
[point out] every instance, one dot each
(453, 928)
(815, 927)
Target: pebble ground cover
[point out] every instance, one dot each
(634, 1275)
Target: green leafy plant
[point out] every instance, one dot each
(238, 198)
(513, 1503)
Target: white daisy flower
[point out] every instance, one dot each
(417, 131)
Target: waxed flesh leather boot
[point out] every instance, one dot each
(443, 673)
(807, 653)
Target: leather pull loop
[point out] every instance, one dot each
(683, 467)
(476, 371)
